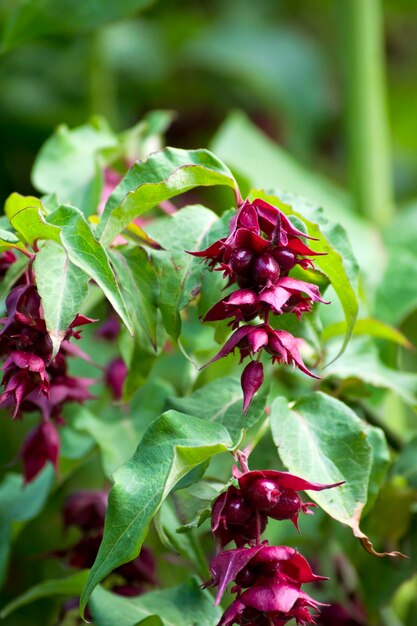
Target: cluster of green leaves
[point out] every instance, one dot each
(167, 450)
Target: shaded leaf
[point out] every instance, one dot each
(362, 361)
(70, 586)
(186, 605)
(179, 273)
(367, 326)
(138, 282)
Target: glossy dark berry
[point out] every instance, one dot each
(265, 270)
(246, 577)
(285, 259)
(287, 507)
(263, 494)
(241, 260)
(237, 512)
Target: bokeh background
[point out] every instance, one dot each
(279, 61)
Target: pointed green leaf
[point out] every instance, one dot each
(62, 287)
(88, 254)
(173, 444)
(186, 605)
(25, 215)
(324, 441)
(162, 176)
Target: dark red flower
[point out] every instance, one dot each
(85, 509)
(280, 344)
(24, 373)
(7, 258)
(115, 376)
(275, 493)
(234, 519)
(252, 378)
(249, 567)
(40, 446)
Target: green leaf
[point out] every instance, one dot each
(116, 438)
(186, 605)
(70, 586)
(20, 504)
(381, 459)
(221, 401)
(162, 176)
(88, 254)
(138, 282)
(370, 327)
(179, 273)
(173, 444)
(25, 215)
(396, 296)
(338, 264)
(62, 287)
(33, 19)
(362, 361)
(406, 463)
(323, 440)
(9, 240)
(67, 164)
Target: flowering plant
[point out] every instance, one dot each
(122, 337)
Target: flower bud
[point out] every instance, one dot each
(39, 447)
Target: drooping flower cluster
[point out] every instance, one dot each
(86, 511)
(267, 579)
(260, 251)
(33, 380)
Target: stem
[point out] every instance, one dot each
(361, 25)
(103, 87)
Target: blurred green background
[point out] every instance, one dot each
(280, 61)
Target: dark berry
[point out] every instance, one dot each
(263, 494)
(237, 512)
(241, 260)
(286, 260)
(287, 507)
(246, 577)
(265, 270)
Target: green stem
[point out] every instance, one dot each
(361, 25)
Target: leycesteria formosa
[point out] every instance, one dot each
(262, 248)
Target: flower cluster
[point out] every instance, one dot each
(267, 579)
(86, 511)
(260, 251)
(32, 379)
